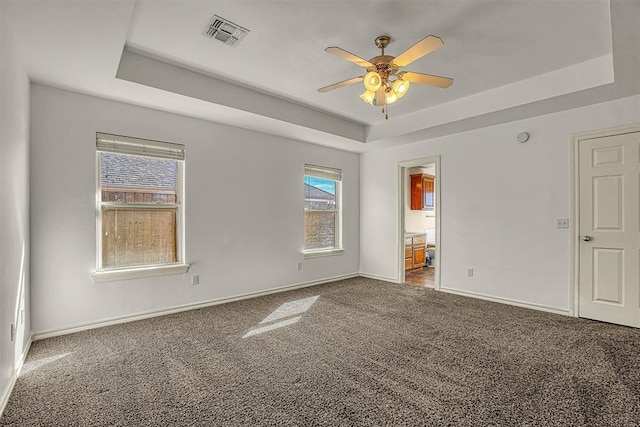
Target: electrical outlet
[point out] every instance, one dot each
(299, 266)
(470, 272)
(562, 222)
(195, 279)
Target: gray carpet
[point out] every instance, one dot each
(364, 353)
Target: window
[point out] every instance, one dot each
(322, 211)
(139, 208)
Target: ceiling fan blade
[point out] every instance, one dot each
(340, 84)
(380, 98)
(418, 50)
(348, 56)
(426, 79)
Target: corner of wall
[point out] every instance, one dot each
(15, 335)
(5, 394)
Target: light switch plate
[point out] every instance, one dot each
(562, 222)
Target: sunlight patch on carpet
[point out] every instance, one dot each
(286, 311)
(272, 326)
(35, 364)
(291, 309)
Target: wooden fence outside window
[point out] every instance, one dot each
(136, 235)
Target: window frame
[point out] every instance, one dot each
(338, 249)
(102, 274)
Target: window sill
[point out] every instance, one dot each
(138, 273)
(322, 253)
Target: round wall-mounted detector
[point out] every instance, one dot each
(523, 137)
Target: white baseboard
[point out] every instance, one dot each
(378, 277)
(508, 301)
(4, 398)
(39, 335)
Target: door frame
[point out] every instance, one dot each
(574, 225)
(402, 166)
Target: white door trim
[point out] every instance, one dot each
(401, 186)
(574, 226)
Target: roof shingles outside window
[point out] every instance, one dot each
(119, 170)
(316, 198)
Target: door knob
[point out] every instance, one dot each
(586, 238)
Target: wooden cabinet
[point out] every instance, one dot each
(408, 263)
(419, 256)
(422, 192)
(415, 251)
(408, 251)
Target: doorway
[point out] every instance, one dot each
(419, 222)
(607, 224)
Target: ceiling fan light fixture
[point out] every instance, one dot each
(384, 82)
(390, 96)
(400, 87)
(372, 81)
(368, 96)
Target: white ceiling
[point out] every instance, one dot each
(509, 58)
(487, 44)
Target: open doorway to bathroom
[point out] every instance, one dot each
(420, 222)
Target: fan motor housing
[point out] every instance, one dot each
(383, 64)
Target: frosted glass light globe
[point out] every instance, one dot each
(372, 81)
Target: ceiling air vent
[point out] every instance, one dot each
(225, 31)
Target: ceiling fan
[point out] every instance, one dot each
(383, 83)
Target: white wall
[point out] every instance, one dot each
(499, 202)
(14, 208)
(244, 210)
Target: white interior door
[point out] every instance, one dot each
(609, 185)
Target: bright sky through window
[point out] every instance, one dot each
(324, 184)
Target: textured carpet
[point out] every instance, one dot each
(357, 352)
